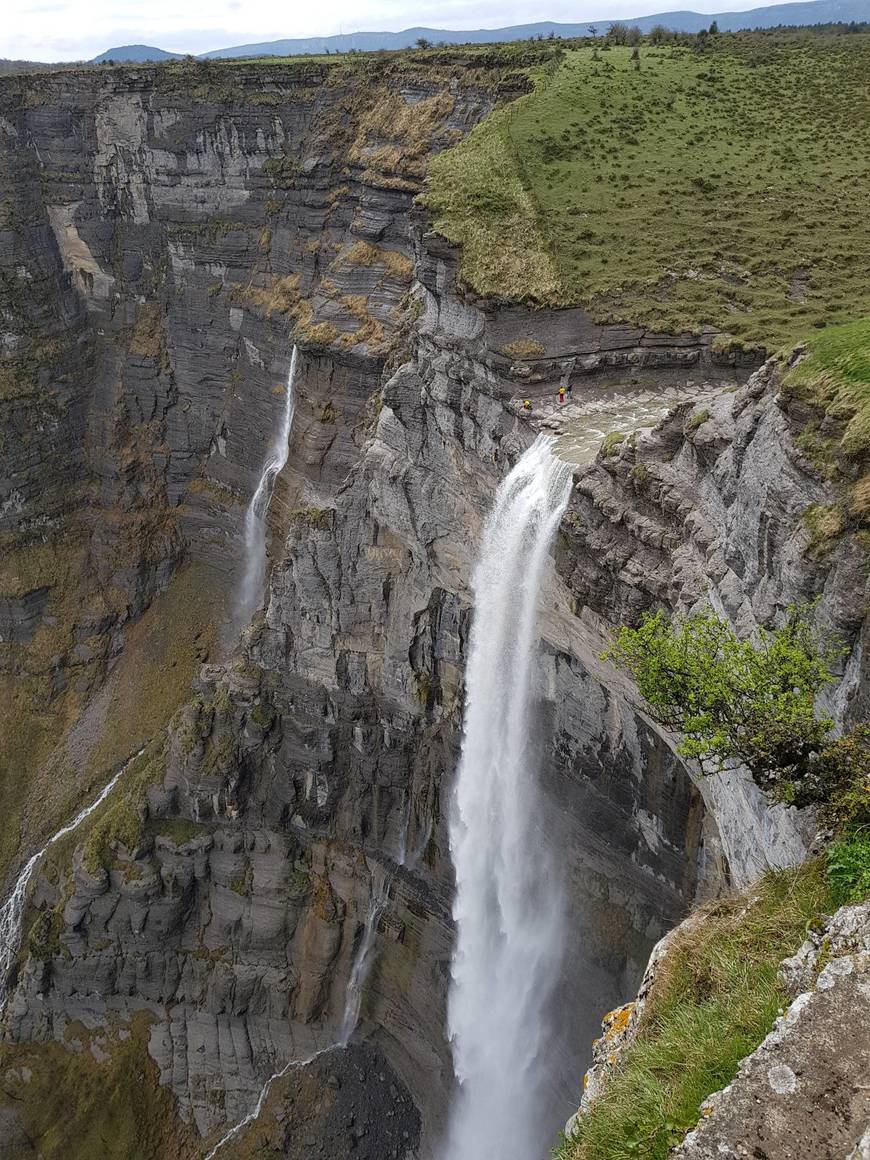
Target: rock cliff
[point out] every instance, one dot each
(170, 234)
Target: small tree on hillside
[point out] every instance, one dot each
(422, 42)
(617, 33)
(747, 701)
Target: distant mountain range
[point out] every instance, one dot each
(805, 12)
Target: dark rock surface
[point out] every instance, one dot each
(346, 1105)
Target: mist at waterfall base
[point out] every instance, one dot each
(508, 908)
(254, 574)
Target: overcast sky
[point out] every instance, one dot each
(80, 29)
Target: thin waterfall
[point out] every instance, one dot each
(12, 911)
(362, 964)
(365, 954)
(251, 590)
(508, 908)
(254, 1114)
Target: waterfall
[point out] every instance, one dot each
(267, 1087)
(251, 591)
(12, 911)
(362, 964)
(507, 909)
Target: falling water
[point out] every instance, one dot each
(362, 965)
(251, 591)
(254, 1114)
(507, 908)
(12, 911)
(365, 954)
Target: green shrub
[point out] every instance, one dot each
(840, 780)
(611, 443)
(696, 419)
(524, 348)
(848, 867)
(751, 701)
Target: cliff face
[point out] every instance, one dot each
(172, 235)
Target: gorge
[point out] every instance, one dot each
(245, 380)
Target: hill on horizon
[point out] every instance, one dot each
(135, 53)
(801, 12)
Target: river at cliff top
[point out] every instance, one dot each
(584, 420)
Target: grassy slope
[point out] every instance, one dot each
(151, 679)
(834, 378)
(831, 386)
(722, 189)
(69, 1107)
(715, 1000)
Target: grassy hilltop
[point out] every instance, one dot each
(728, 187)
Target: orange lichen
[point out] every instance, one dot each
(616, 1021)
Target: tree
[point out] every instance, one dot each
(746, 701)
(714, 28)
(422, 42)
(617, 33)
(592, 30)
(634, 36)
(635, 58)
(659, 34)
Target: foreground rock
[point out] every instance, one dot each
(804, 1094)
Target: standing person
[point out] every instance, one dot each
(570, 389)
(561, 395)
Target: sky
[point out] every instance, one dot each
(51, 30)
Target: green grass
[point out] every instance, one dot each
(834, 379)
(67, 1106)
(715, 1000)
(722, 189)
(848, 865)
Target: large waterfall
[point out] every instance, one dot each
(251, 590)
(508, 909)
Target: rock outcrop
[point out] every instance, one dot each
(803, 1092)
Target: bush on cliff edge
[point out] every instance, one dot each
(752, 702)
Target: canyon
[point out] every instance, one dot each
(171, 237)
